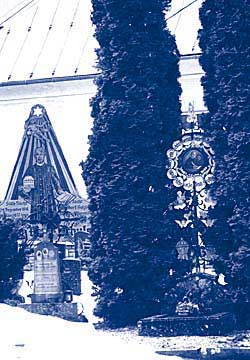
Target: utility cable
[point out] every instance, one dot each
(185, 7)
(66, 38)
(24, 41)
(195, 42)
(13, 8)
(82, 51)
(179, 17)
(17, 12)
(45, 40)
(4, 41)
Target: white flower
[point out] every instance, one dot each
(118, 291)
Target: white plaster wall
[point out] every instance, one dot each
(190, 80)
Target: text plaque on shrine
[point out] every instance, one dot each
(47, 277)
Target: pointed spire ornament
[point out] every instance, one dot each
(39, 133)
(41, 184)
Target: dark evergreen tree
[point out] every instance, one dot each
(136, 115)
(13, 259)
(224, 40)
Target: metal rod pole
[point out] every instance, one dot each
(196, 232)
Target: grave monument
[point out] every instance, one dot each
(42, 194)
(47, 275)
(191, 168)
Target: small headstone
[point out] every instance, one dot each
(47, 278)
(71, 275)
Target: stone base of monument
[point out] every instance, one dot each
(66, 311)
(163, 325)
(46, 298)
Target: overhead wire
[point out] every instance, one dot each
(180, 13)
(180, 10)
(24, 42)
(45, 39)
(4, 41)
(66, 38)
(67, 35)
(82, 51)
(195, 42)
(179, 17)
(13, 8)
(17, 12)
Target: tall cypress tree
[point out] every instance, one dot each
(12, 259)
(136, 115)
(224, 40)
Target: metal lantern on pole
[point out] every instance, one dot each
(182, 248)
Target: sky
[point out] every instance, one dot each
(67, 106)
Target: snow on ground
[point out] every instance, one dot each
(27, 336)
(183, 342)
(87, 301)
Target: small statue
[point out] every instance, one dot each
(180, 202)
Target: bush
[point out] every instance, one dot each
(136, 114)
(12, 261)
(224, 42)
(202, 290)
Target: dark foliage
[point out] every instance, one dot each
(12, 260)
(136, 114)
(224, 41)
(202, 290)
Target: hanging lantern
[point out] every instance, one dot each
(68, 296)
(182, 248)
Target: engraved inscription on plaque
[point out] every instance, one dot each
(47, 279)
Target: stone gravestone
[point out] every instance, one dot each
(47, 277)
(71, 275)
(47, 298)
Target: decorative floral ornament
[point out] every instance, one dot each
(191, 162)
(191, 167)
